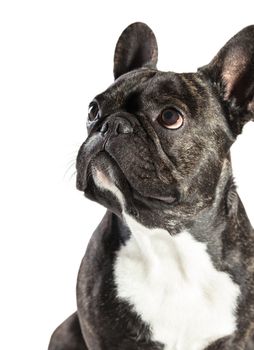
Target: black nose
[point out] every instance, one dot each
(115, 126)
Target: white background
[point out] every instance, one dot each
(54, 57)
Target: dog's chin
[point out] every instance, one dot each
(108, 185)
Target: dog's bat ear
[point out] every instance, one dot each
(136, 48)
(232, 71)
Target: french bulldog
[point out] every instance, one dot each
(171, 264)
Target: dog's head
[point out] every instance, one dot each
(158, 141)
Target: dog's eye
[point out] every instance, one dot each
(171, 118)
(93, 111)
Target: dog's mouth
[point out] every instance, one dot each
(103, 173)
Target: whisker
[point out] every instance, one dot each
(70, 166)
(73, 174)
(71, 161)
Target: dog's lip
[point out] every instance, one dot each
(82, 175)
(157, 200)
(168, 199)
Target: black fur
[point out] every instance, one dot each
(172, 179)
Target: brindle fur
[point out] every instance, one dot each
(191, 166)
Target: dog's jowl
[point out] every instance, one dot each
(171, 264)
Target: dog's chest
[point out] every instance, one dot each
(172, 284)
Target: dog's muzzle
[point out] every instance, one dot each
(112, 126)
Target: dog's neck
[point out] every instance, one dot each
(224, 212)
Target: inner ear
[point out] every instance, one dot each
(232, 71)
(233, 68)
(235, 73)
(136, 48)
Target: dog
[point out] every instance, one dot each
(171, 264)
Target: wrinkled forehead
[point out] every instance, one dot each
(153, 86)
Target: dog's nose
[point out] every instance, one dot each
(115, 126)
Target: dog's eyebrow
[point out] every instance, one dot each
(171, 83)
(185, 87)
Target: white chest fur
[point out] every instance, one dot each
(172, 284)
